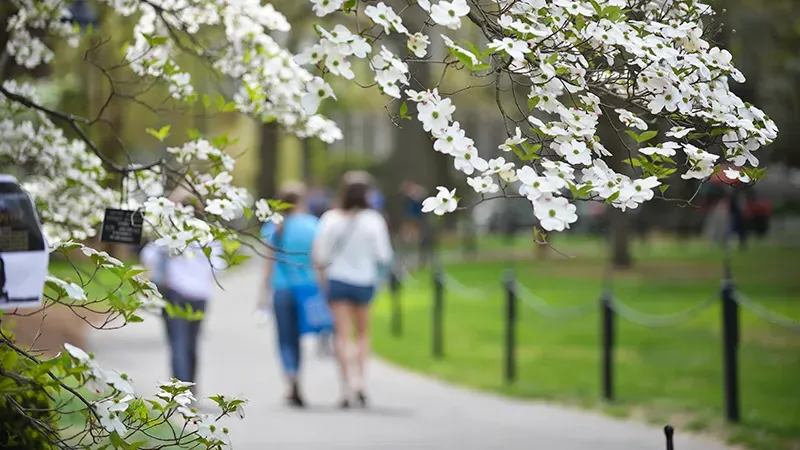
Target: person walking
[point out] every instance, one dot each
(186, 281)
(288, 266)
(351, 251)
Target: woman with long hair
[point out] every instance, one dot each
(351, 248)
(288, 266)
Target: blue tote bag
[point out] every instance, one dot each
(313, 314)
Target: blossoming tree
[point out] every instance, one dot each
(643, 63)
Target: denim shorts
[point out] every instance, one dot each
(360, 295)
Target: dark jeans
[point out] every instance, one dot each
(183, 335)
(288, 330)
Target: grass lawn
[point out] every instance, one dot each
(671, 374)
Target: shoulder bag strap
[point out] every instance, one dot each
(343, 238)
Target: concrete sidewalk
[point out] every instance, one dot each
(407, 412)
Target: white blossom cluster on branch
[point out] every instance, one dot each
(636, 62)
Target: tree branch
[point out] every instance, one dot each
(75, 123)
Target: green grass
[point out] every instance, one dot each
(662, 374)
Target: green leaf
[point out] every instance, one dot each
(633, 162)
(647, 135)
(206, 101)
(193, 133)
(9, 360)
(117, 441)
(160, 134)
(644, 137)
(573, 189)
(613, 13)
(663, 188)
(155, 404)
(613, 197)
(130, 273)
(462, 57)
(471, 47)
(155, 41)
(348, 5)
(133, 318)
(136, 445)
(240, 258)
(404, 111)
(597, 8)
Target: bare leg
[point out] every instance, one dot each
(361, 314)
(341, 316)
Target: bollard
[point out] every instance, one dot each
(394, 286)
(669, 432)
(730, 349)
(607, 325)
(511, 328)
(438, 306)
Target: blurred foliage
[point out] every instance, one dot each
(18, 392)
(764, 37)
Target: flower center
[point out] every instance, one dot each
(552, 213)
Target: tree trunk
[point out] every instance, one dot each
(268, 173)
(619, 234)
(619, 222)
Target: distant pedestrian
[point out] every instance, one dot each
(352, 250)
(289, 266)
(318, 200)
(186, 281)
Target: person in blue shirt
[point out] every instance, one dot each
(289, 265)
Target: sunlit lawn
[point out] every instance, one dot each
(662, 374)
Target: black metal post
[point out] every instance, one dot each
(730, 350)
(438, 307)
(511, 328)
(669, 432)
(397, 319)
(608, 345)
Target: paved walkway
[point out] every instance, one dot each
(408, 412)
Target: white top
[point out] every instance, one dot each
(191, 274)
(350, 247)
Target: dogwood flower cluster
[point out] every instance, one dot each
(96, 379)
(117, 400)
(64, 175)
(651, 58)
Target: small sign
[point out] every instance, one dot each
(24, 254)
(123, 226)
